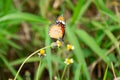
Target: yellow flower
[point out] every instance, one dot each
(68, 61)
(70, 47)
(59, 43)
(42, 52)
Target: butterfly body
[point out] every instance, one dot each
(57, 30)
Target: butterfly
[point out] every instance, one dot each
(57, 30)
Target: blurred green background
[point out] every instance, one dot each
(92, 26)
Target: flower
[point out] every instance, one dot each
(53, 44)
(55, 78)
(10, 79)
(68, 61)
(42, 53)
(70, 47)
(59, 43)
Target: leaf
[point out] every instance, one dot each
(105, 74)
(48, 52)
(23, 16)
(13, 71)
(79, 10)
(108, 33)
(78, 51)
(90, 42)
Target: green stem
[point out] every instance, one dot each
(63, 72)
(68, 72)
(37, 74)
(27, 59)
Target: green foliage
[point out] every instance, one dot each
(92, 26)
(105, 75)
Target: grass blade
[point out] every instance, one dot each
(70, 5)
(104, 10)
(10, 67)
(79, 10)
(112, 16)
(89, 41)
(48, 51)
(77, 72)
(105, 75)
(108, 33)
(78, 51)
(23, 16)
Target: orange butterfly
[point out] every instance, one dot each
(57, 30)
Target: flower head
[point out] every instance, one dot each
(42, 53)
(59, 43)
(70, 47)
(55, 78)
(68, 61)
(10, 79)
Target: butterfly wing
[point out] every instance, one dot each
(55, 31)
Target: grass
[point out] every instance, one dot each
(92, 26)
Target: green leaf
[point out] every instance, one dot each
(77, 72)
(48, 52)
(23, 16)
(89, 41)
(13, 44)
(79, 10)
(108, 33)
(104, 10)
(13, 71)
(44, 9)
(78, 51)
(105, 74)
(8, 34)
(70, 4)
(112, 16)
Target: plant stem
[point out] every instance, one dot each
(63, 72)
(37, 74)
(113, 70)
(27, 59)
(68, 72)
